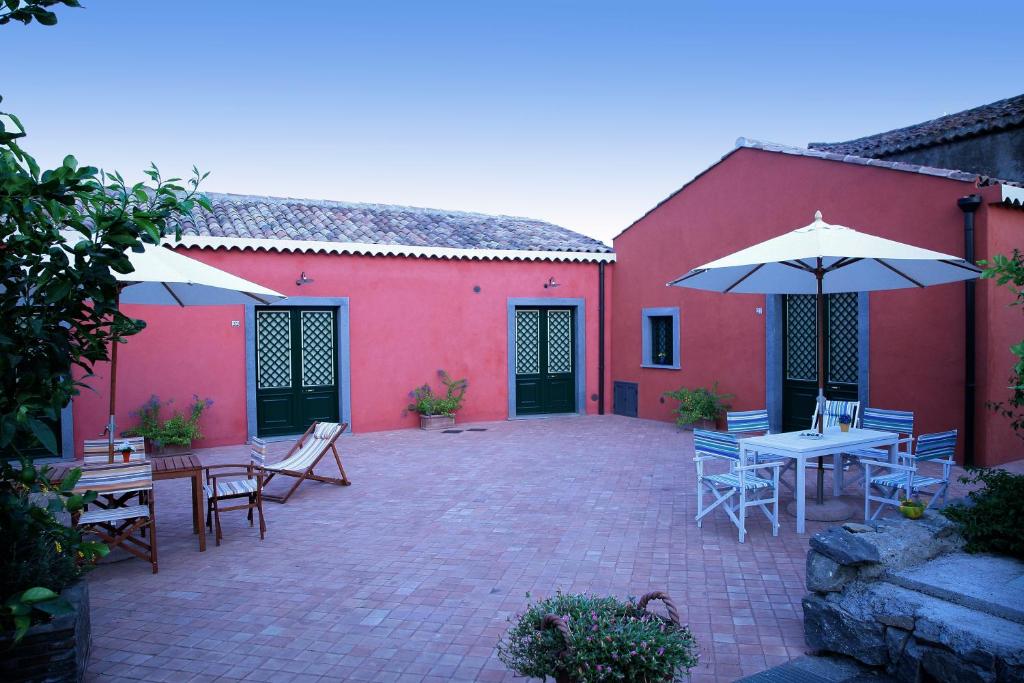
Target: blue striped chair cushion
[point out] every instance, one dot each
(113, 514)
(747, 421)
(896, 421)
(718, 444)
(899, 480)
(733, 481)
(231, 487)
(941, 445)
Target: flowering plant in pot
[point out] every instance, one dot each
(176, 433)
(592, 638)
(844, 422)
(126, 449)
(435, 411)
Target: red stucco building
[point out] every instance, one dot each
(379, 299)
(900, 350)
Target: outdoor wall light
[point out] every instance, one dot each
(551, 283)
(303, 280)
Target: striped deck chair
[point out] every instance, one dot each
(906, 476)
(97, 451)
(900, 422)
(303, 458)
(116, 525)
(739, 488)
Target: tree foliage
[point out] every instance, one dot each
(1008, 271)
(64, 233)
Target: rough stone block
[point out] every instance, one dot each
(845, 547)
(826, 575)
(828, 627)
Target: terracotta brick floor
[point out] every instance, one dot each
(411, 573)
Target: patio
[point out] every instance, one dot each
(410, 573)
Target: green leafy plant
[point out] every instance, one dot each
(426, 402)
(609, 640)
(181, 429)
(699, 404)
(41, 556)
(1008, 271)
(993, 521)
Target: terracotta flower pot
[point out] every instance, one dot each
(844, 427)
(126, 455)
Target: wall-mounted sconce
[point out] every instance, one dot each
(551, 283)
(303, 280)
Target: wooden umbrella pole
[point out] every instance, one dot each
(820, 274)
(112, 423)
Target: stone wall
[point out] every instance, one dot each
(901, 595)
(56, 652)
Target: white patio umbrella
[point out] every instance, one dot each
(162, 276)
(820, 259)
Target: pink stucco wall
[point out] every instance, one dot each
(917, 339)
(408, 318)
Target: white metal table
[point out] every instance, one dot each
(833, 442)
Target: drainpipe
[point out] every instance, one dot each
(600, 337)
(969, 205)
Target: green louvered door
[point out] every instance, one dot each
(800, 364)
(296, 369)
(545, 360)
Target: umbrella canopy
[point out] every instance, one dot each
(847, 260)
(162, 276)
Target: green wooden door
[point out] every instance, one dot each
(296, 369)
(800, 355)
(545, 360)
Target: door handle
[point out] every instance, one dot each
(308, 391)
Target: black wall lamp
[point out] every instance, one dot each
(303, 280)
(551, 283)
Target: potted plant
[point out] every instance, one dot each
(125, 449)
(591, 638)
(699, 408)
(844, 422)
(911, 508)
(438, 412)
(44, 614)
(173, 435)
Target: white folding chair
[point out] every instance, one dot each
(906, 476)
(737, 489)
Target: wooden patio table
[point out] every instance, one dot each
(833, 442)
(181, 467)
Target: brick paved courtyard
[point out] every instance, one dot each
(410, 573)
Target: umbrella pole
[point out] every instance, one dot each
(820, 274)
(112, 423)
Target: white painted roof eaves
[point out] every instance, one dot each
(1012, 195)
(363, 249)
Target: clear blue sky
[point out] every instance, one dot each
(582, 113)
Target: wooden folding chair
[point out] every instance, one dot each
(233, 483)
(303, 458)
(116, 524)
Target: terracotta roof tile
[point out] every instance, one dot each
(1008, 113)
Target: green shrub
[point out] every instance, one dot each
(425, 402)
(39, 556)
(994, 522)
(699, 404)
(610, 640)
(178, 430)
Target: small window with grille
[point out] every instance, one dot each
(661, 338)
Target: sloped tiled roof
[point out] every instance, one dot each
(1008, 113)
(320, 221)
